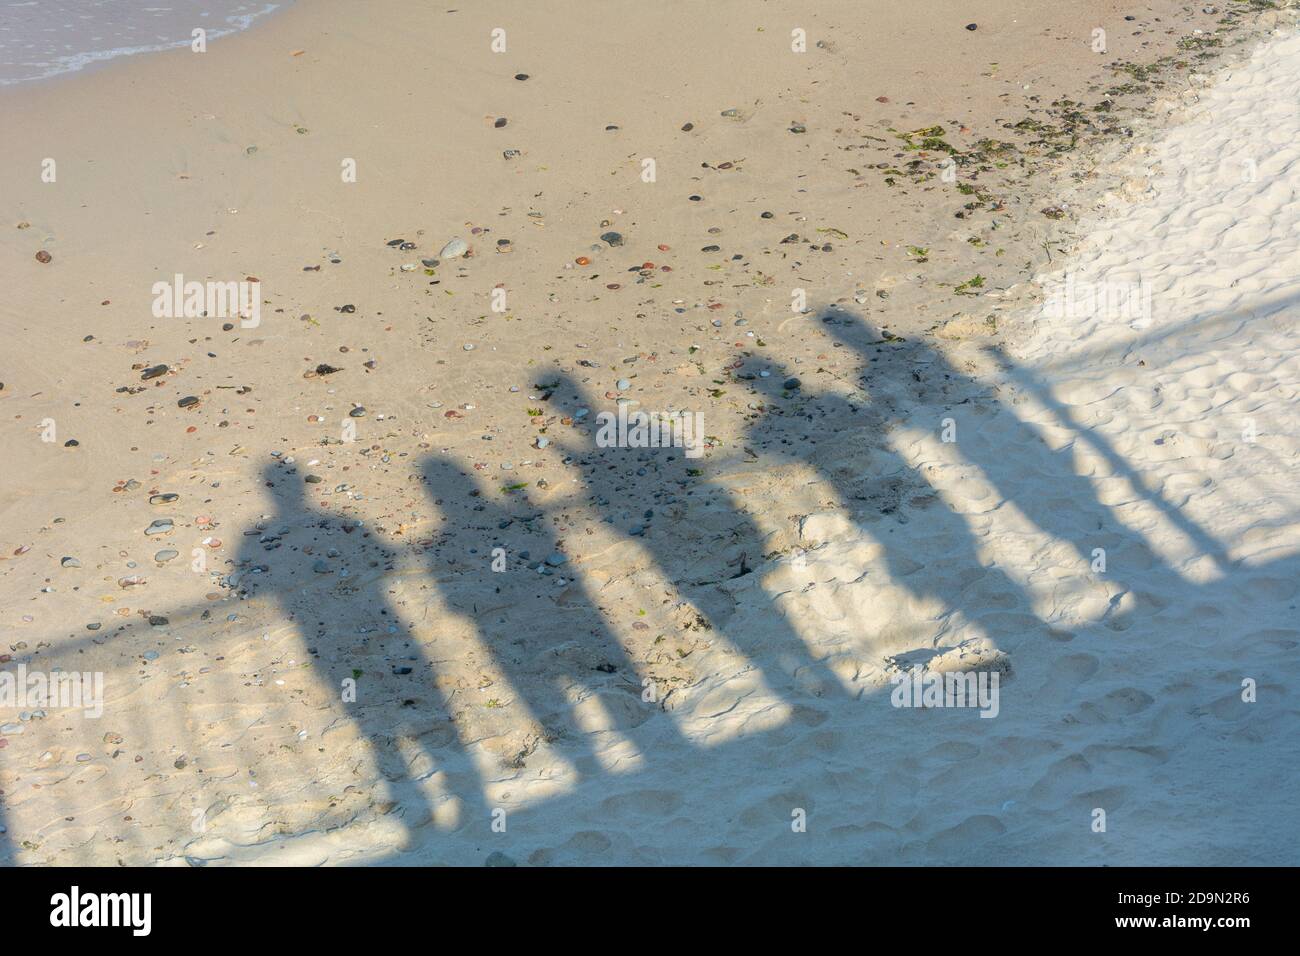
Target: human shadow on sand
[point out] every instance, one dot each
(697, 535)
(327, 575)
(502, 566)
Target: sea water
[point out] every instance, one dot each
(44, 38)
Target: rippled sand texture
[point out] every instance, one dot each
(683, 660)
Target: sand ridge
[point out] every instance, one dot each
(681, 657)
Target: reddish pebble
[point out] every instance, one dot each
(662, 248)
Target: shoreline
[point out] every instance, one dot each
(757, 582)
(91, 60)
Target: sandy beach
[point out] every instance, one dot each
(968, 341)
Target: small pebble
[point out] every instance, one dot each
(454, 249)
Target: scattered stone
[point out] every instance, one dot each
(70, 563)
(43, 256)
(160, 526)
(454, 249)
(153, 371)
(165, 555)
(613, 238)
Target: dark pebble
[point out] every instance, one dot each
(613, 238)
(43, 256)
(189, 401)
(790, 384)
(972, 27)
(501, 121)
(521, 76)
(153, 371)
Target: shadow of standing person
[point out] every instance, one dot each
(504, 570)
(673, 510)
(1043, 482)
(328, 575)
(928, 548)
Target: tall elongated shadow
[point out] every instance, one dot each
(893, 503)
(649, 489)
(327, 575)
(504, 569)
(1032, 384)
(1042, 483)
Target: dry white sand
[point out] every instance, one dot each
(706, 662)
